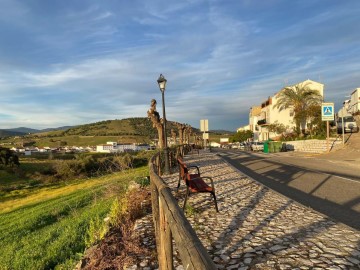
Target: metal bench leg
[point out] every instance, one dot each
(186, 196)
(216, 206)
(178, 185)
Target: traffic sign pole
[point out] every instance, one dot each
(327, 136)
(327, 114)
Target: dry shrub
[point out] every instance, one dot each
(121, 246)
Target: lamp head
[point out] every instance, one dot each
(162, 82)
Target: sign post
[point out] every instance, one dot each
(327, 114)
(204, 127)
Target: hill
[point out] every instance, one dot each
(129, 130)
(23, 130)
(137, 126)
(7, 133)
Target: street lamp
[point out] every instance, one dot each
(162, 83)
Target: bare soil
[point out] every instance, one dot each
(122, 247)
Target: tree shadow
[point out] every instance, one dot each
(281, 178)
(286, 236)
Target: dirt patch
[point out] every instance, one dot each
(123, 246)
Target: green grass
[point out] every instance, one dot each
(47, 228)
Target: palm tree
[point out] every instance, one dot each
(298, 97)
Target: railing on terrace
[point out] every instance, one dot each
(170, 222)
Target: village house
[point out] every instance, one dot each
(113, 147)
(354, 103)
(260, 117)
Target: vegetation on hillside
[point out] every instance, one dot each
(8, 158)
(49, 214)
(34, 173)
(52, 232)
(130, 130)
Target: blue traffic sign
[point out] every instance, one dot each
(327, 111)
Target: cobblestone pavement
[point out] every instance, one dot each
(257, 228)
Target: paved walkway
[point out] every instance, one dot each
(257, 228)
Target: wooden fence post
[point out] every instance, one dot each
(166, 248)
(170, 222)
(155, 210)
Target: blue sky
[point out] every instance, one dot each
(77, 62)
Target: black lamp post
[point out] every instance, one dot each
(162, 83)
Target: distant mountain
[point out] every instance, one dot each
(20, 131)
(222, 132)
(54, 129)
(23, 130)
(7, 133)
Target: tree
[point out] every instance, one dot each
(241, 136)
(298, 97)
(8, 157)
(315, 124)
(277, 128)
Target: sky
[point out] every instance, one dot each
(75, 62)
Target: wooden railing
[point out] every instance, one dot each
(170, 223)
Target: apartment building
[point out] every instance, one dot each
(260, 117)
(353, 107)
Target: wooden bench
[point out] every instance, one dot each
(195, 183)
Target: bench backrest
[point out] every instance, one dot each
(183, 170)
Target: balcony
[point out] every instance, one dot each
(261, 122)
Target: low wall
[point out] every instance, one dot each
(313, 146)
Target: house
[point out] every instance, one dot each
(243, 128)
(126, 147)
(143, 147)
(254, 114)
(113, 147)
(105, 148)
(354, 102)
(260, 117)
(42, 150)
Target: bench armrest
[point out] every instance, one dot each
(194, 167)
(207, 178)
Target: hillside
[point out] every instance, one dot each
(7, 133)
(137, 126)
(129, 126)
(129, 130)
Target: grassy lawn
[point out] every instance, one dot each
(45, 228)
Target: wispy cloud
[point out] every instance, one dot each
(72, 64)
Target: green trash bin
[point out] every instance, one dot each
(271, 147)
(266, 147)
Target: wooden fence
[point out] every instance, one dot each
(170, 223)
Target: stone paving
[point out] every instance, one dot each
(257, 228)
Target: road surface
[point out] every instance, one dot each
(327, 186)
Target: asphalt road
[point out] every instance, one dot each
(329, 187)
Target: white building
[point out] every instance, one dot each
(105, 148)
(260, 117)
(113, 147)
(243, 128)
(354, 102)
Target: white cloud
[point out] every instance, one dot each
(101, 61)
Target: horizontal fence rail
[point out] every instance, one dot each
(170, 222)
